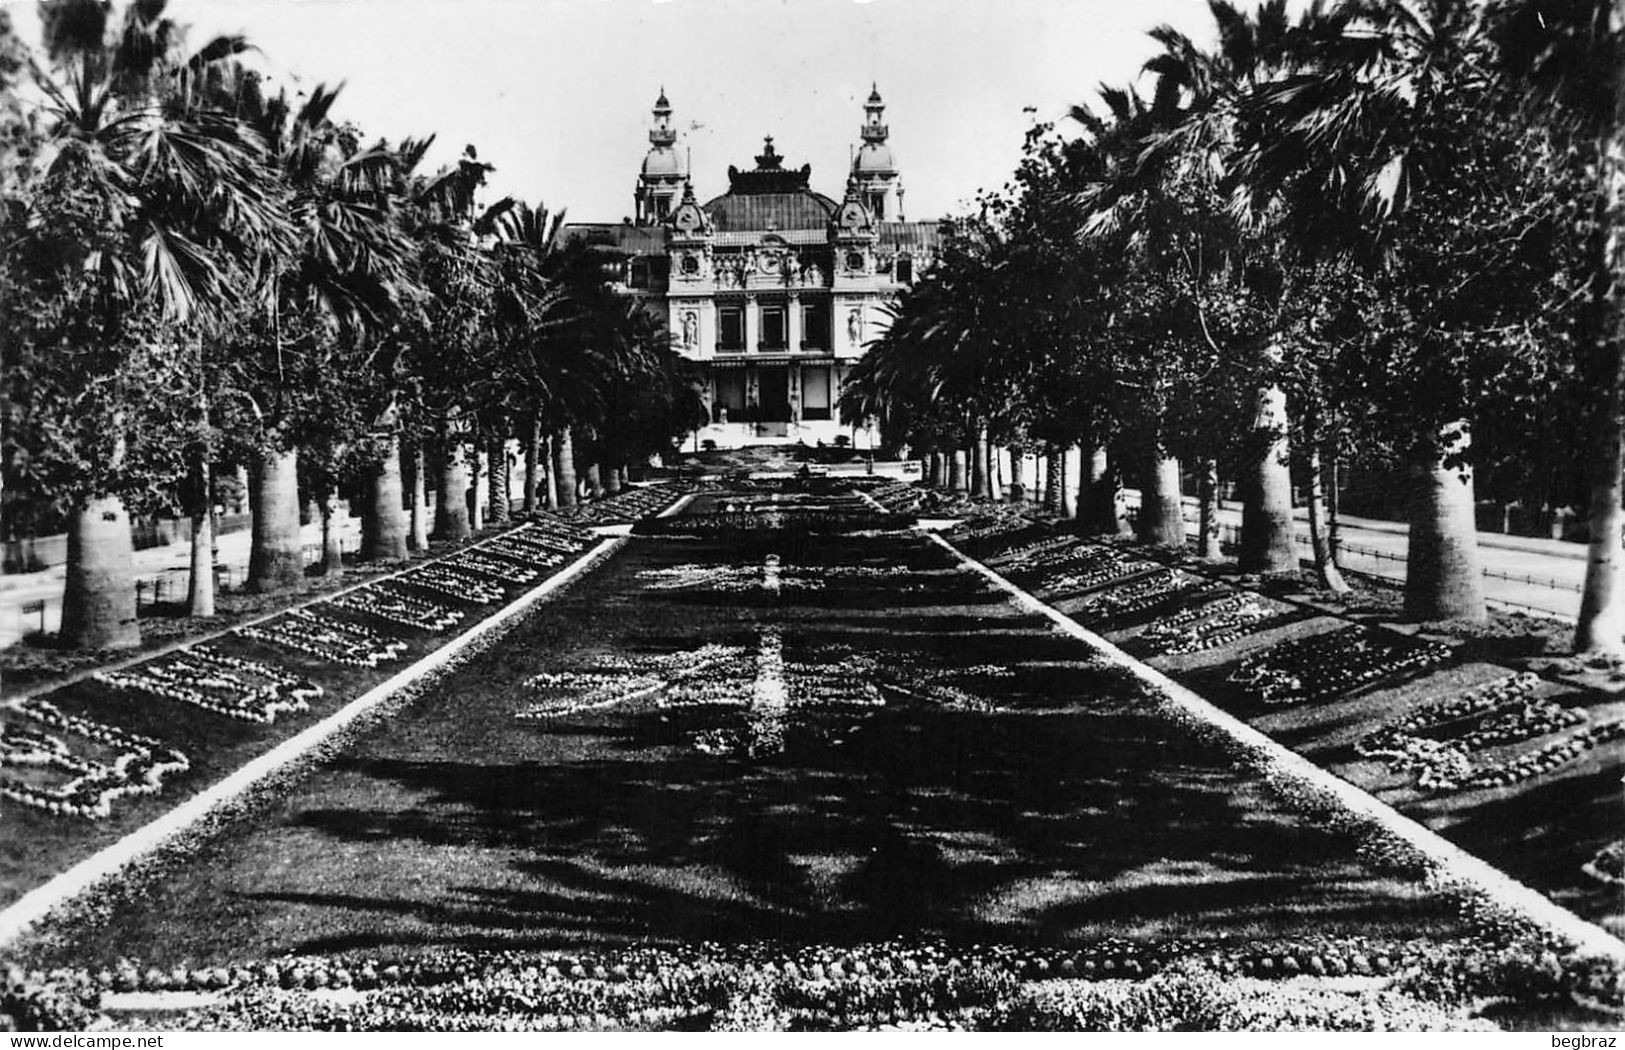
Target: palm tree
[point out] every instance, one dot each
(320, 294)
(1146, 212)
(1370, 126)
(1244, 254)
(1571, 53)
(165, 191)
(528, 245)
(444, 334)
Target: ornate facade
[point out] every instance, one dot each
(773, 288)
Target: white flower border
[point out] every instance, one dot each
(205, 677)
(139, 769)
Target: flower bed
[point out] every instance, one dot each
(1047, 551)
(1088, 568)
(330, 639)
(772, 575)
(548, 529)
(1325, 665)
(1138, 595)
(492, 564)
(1110, 984)
(1212, 621)
(787, 520)
(628, 505)
(228, 685)
(769, 691)
(1438, 741)
(534, 547)
(390, 601)
(898, 496)
(692, 576)
(451, 582)
(1545, 760)
(1608, 865)
(616, 679)
(994, 524)
(51, 775)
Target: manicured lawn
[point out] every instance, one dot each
(1008, 789)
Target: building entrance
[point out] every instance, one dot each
(773, 394)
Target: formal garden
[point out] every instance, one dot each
(591, 733)
(778, 759)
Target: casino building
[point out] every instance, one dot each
(772, 287)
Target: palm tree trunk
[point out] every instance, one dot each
(1106, 511)
(451, 517)
(332, 549)
(1070, 497)
(276, 550)
(496, 456)
(550, 476)
(1054, 477)
(383, 526)
(1444, 579)
(564, 466)
(1162, 518)
(1320, 537)
(595, 484)
(978, 467)
(478, 484)
(1601, 627)
(612, 481)
(995, 487)
(533, 438)
(200, 589)
(418, 536)
(98, 599)
(1207, 497)
(957, 480)
(1266, 517)
(1100, 494)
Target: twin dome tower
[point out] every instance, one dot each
(665, 173)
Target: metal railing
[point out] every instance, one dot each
(1230, 543)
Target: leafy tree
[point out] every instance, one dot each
(1395, 145)
(125, 241)
(1570, 54)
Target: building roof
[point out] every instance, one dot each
(639, 240)
(751, 238)
(874, 158)
(910, 236)
(803, 209)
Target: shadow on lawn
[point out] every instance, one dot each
(1562, 823)
(965, 827)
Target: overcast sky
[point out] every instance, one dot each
(556, 93)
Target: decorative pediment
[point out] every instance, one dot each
(689, 221)
(852, 220)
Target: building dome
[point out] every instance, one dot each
(874, 158)
(663, 161)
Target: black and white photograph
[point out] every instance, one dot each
(811, 516)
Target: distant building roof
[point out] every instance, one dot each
(911, 236)
(639, 240)
(796, 210)
(751, 238)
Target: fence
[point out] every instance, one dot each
(1230, 542)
